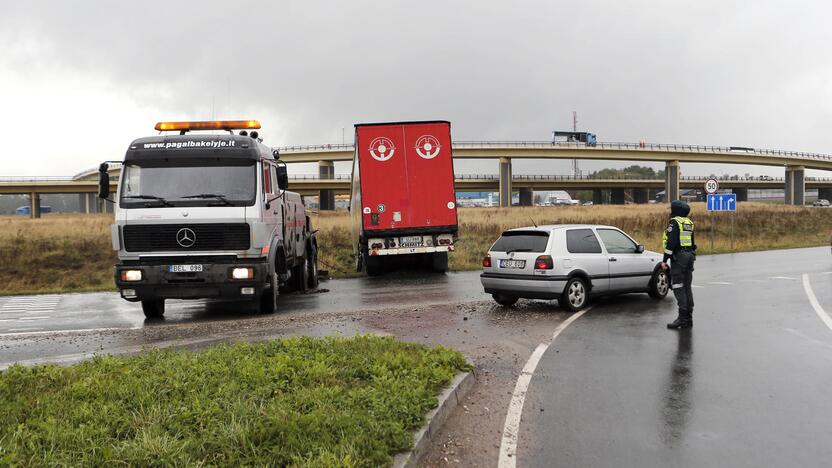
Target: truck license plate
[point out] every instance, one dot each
(184, 268)
(512, 264)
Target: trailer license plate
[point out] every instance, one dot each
(184, 268)
(411, 241)
(512, 264)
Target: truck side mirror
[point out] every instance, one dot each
(282, 177)
(103, 181)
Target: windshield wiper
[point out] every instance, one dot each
(210, 195)
(150, 197)
(518, 250)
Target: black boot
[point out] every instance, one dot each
(680, 323)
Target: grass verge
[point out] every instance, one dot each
(297, 401)
(61, 253)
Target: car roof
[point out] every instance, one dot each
(556, 227)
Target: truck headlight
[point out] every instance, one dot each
(242, 273)
(131, 275)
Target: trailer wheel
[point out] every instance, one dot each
(359, 260)
(312, 267)
(373, 265)
(440, 262)
(154, 309)
(267, 302)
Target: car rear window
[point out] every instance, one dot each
(582, 241)
(521, 241)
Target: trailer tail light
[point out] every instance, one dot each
(544, 262)
(445, 239)
(486, 261)
(376, 244)
(427, 241)
(391, 243)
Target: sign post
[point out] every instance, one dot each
(711, 186)
(722, 202)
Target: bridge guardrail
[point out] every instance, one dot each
(661, 147)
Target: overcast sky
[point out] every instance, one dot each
(79, 80)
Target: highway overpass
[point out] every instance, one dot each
(326, 184)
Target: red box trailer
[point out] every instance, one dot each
(403, 200)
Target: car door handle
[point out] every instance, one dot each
(613, 259)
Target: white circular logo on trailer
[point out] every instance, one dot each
(711, 186)
(382, 149)
(427, 146)
(367, 210)
(451, 205)
(381, 207)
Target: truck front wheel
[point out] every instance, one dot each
(153, 309)
(300, 275)
(267, 302)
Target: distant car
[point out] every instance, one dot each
(821, 203)
(765, 177)
(570, 263)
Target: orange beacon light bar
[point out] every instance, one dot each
(208, 125)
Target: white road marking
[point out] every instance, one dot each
(724, 283)
(697, 286)
(814, 301)
(24, 328)
(783, 278)
(511, 428)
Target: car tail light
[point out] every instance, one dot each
(486, 261)
(544, 262)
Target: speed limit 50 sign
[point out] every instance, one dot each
(711, 186)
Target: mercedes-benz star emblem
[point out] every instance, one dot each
(186, 237)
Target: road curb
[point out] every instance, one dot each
(448, 400)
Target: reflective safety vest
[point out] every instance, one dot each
(685, 232)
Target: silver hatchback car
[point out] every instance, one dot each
(570, 263)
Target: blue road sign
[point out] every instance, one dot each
(722, 202)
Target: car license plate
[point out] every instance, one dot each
(512, 264)
(410, 241)
(184, 268)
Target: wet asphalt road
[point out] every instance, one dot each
(748, 386)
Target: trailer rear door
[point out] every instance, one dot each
(407, 179)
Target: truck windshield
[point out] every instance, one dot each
(217, 182)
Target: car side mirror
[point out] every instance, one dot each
(639, 248)
(103, 180)
(282, 177)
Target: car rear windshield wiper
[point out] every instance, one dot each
(150, 197)
(518, 250)
(209, 195)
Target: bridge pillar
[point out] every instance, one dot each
(742, 194)
(640, 195)
(505, 182)
(617, 196)
(81, 199)
(597, 197)
(526, 197)
(825, 194)
(795, 185)
(671, 181)
(34, 205)
(326, 198)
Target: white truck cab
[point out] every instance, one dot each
(207, 216)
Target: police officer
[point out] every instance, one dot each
(680, 247)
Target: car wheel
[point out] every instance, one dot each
(504, 300)
(154, 308)
(575, 295)
(267, 302)
(659, 285)
(312, 268)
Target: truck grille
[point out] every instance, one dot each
(185, 237)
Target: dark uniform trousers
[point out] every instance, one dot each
(681, 278)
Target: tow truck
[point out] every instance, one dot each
(207, 216)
